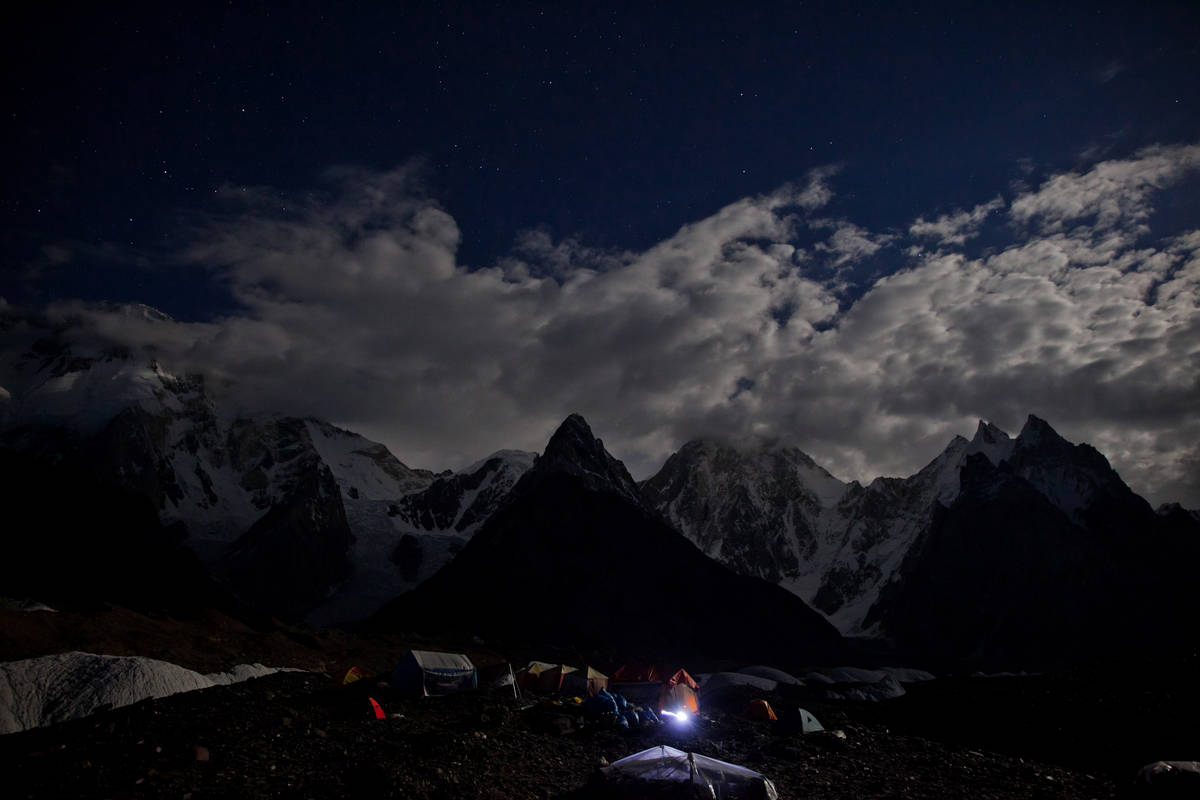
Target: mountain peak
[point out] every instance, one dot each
(1037, 432)
(987, 433)
(575, 450)
(574, 440)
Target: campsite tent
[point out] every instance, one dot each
(808, 723)
(584, 682)
(657, 687)
(551, 679)
(529, 676)
(760, 709)
(428, 673)
(667, 766)
(354, 674)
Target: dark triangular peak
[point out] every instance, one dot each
(1037, 434)
(1044, 457)
(575, 450)
(575, 557)
(1078, 479)
(989, 434)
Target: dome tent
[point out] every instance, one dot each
(666, 768)
(429, 673)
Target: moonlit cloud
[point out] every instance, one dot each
(849, 243)
(1110, 194)
(356, 310)
(955, 229)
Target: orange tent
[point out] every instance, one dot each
(659, 687)
(760, 709)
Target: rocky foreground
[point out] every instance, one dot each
(1077, 734)
(296, 735)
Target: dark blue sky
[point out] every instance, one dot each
(611, 123)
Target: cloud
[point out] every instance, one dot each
(1110, 194)
(355, 309)
(850, 243)
(956, 228)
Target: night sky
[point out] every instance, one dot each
(857, 228)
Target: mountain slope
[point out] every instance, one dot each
(1005, 578)
(575, 557)
(1028, 551)
(300, 517)
(774, 513)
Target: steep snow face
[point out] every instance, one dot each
(940, 476)
(43, 691)
(53, 377)
(364, 467)
(400, 541)
(757, 509)
(220, 477)
(775, 514)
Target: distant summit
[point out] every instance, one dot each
(575, 557)
(574, 450)
(982, 554)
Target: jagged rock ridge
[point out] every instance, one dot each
(575, 557)
(983, 554)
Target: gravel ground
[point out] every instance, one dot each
(293, 735)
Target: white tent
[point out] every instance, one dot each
(429, 673)
(808, 723)
(712, 778)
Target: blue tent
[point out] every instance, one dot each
(431, 674)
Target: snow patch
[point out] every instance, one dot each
(49, 689)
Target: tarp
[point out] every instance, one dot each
(584, 682)
(657, 687)
(666, 765)
(431, 674)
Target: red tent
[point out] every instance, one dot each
(660, 687)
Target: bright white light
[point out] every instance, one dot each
(680, 716)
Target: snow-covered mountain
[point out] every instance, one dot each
(847, 549)
(772, 512)
(575, 556)
(301, 517)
